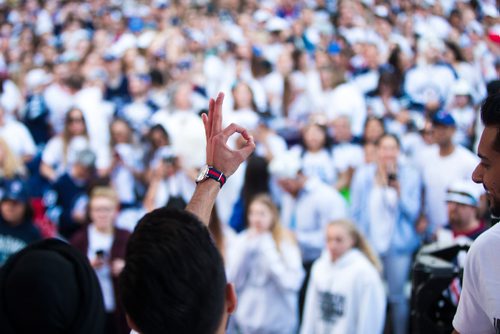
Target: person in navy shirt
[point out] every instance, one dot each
(16, 224)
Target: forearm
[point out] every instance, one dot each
(149, 199)
(203, 200)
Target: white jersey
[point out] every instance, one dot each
(345, 296)
(479, 307)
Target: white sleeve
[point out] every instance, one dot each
(314, 90)
(309, 316)
(25, 137)
(470, 316)
(372, 305)
(52, 153)
(359, 114)
(285, 266)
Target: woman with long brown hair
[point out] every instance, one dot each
(60, 150)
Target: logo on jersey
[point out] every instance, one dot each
(332, 306)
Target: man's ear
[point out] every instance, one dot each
(231, 299)
(132, 324)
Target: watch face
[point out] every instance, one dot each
(202, 174)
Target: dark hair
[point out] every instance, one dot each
(369, 119)
(50, 287)
(28, 215)
(158, 128)
(75, 82)
(256, 181)
(157, 77)
(390, 78)
(328, 139)
(397, 65)
(233, 89)
(490, 115)
(174, 279)
(455, 49)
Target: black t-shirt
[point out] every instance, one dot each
(13, 239)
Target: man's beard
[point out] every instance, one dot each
(495, 209)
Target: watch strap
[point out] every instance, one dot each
(216, 175)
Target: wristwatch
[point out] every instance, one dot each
(207, 172)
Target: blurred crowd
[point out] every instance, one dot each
(364, 113)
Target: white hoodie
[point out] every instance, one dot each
(344, 297)
(267, 282)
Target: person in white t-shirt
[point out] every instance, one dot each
(347, 155)
(345, 293)
(343, 99)
(266, 268)
(127, 168)
(17, 136)
(441, 165)
(479, 306)
(316, 153)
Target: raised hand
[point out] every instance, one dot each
(219, 154)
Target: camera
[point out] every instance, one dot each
(100, 254)
(392, 177)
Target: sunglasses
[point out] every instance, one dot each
(75, 120)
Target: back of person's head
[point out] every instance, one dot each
(490, 115)
(174, 279)
(50, 287)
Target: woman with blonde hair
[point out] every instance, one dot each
(345, 293)
(266, 268)
(10, 165)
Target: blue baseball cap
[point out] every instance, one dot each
(135, 24)
(334, 48)
(443, 118)
(15, 190)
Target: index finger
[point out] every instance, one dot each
(233, 128)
